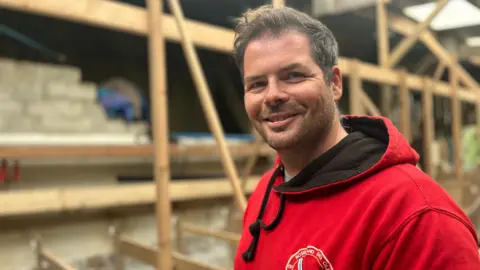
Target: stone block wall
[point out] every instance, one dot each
(47, 98)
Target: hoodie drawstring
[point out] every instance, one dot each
(258, 224)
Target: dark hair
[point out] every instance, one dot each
(266, 19)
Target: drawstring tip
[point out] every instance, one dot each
(247, 256)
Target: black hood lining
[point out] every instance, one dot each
(365, 145)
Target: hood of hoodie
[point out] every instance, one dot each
(373, 144)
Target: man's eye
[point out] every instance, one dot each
(256, 85)
(292, 76)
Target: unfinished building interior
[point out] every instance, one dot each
(89, 182)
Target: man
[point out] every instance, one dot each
(345, 192)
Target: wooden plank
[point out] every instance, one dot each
(52, 262)
(137, 251)
(233, 238)
(185, 263)
(123, 17)
(477, 107)
(373, 73)
(25, 202)
(406, 27)
(177, 151)
(439, 71)
(368, 104)
(428, 125)
(404, 99)
(161, 164)
(456, 132)
(148, 255)
(207, 103)
(278, 3)
(355, 89)
(383, 49)
(252, 160)
(404, 46)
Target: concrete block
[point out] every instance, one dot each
(22, 124)
(49, 72)
(61, 73)
(7, 69)
(53, 124)
(6, 90)
(115, 126)
(96, 112)
(56, 108)
(3, 124)
(10, 107)
(63, 90)
(137, 128)
(28, 84)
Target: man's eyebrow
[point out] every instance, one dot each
(253, 78)
(292, 66)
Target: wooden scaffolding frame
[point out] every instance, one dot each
(159, 27)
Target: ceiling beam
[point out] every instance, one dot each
(124, 17)
(404, 46)
(407, 27)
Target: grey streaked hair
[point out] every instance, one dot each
(269, 20)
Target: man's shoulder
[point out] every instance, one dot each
(409, 180)
(413, 190)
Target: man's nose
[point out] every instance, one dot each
(276, 94)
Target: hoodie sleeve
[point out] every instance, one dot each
(432, 240)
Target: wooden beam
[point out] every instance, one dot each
(439, 71)
(383, 49)
(118, 16)
(207, 103)
(26, 202)
(148, 255)
(368, 104)
(161, 166)
(477, 107)
(252, 160)
(428, 126)
(355, 88)
(406, 27)
(278, 3)
(425, 62)
(137, 251)
(402, 48)
(383, 44)
(176, 151)
(106, 14)
(233, 238)
(456, 132)
(48, 260)
(185, 263)
(404, 100)
(373, 73)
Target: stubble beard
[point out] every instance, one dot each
(307, 131)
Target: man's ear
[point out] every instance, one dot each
(336, 83)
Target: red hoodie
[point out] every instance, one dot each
(361, 205)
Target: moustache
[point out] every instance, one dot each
(282, 108)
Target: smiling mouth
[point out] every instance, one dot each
(279, 118)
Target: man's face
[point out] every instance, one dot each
(286, 96)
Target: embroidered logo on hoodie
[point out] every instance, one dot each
(308, 258)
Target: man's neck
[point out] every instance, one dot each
(295, 160)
